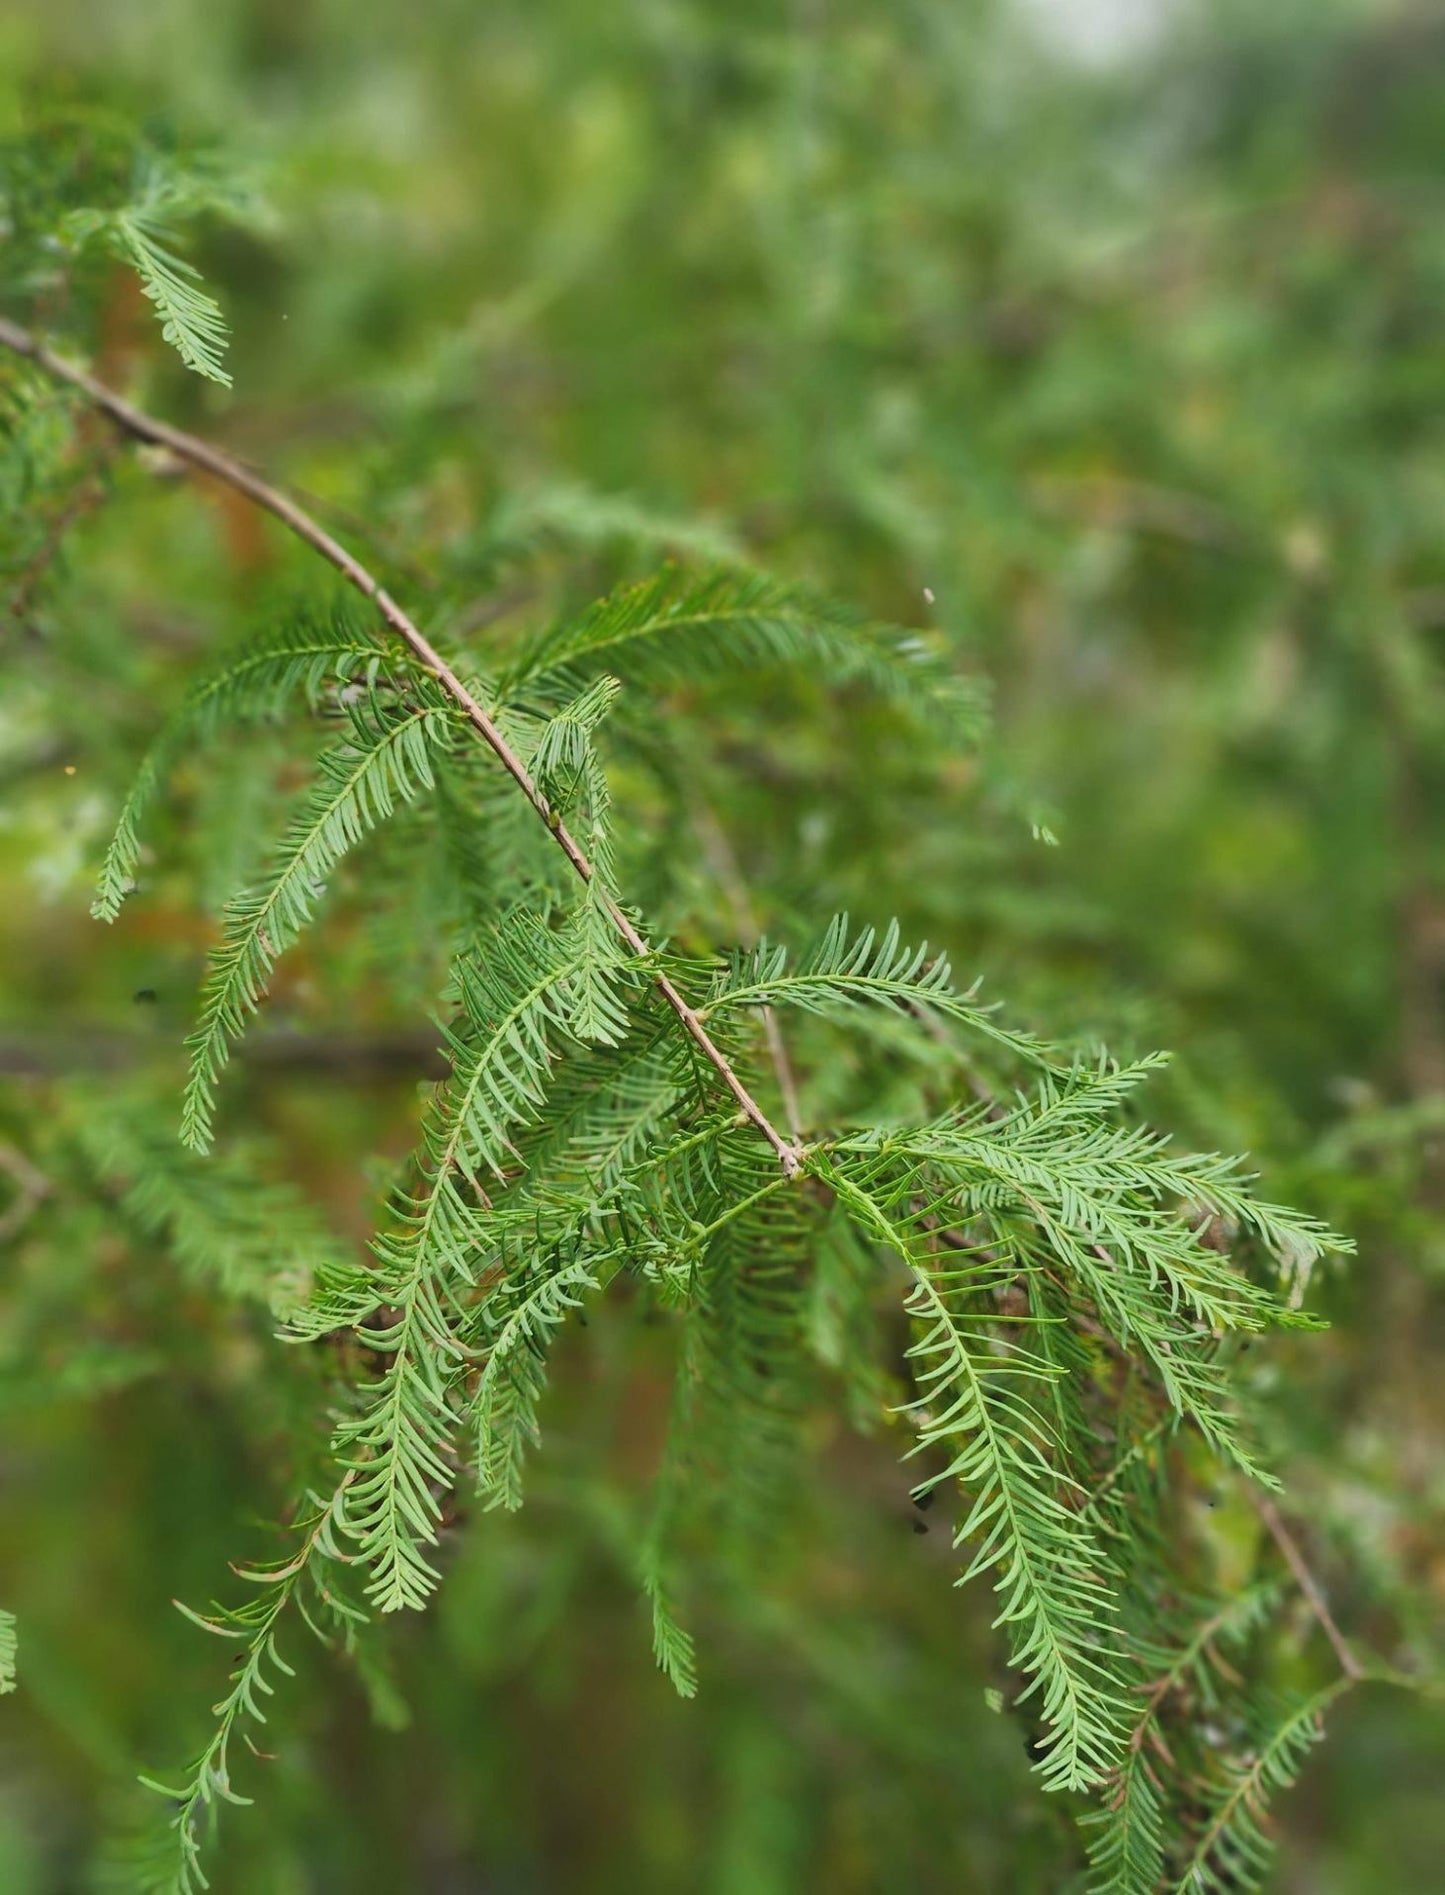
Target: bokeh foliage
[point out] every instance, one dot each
(1126, 378)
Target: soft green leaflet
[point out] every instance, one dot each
(672, 1644)
(190, 318)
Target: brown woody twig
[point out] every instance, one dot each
(1306, 1581)
(724, 863)
(88, 495)
(32, 1187)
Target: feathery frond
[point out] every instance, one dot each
(190, 318)
(385, 760)
(9, 1651)
(227, 1222)
(672, 1643)
(1235, 1850)
(872, 969)
(682, 626)
(298, 658)
(978, 1402)
(142, 232)
(174, 1868)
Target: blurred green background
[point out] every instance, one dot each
(1105, 337)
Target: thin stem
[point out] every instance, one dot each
(723, 861)
(88, 494)
(210, 460)
(32, 1187)
(1306, 1581)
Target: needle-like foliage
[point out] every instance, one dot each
(679, 625)
(190, 317)
(838, 1175)
(598, 1126)
(226, 1222)
(1234, 1849)
(171, 1865)
(304, 657)
(142, 232)
(385, 760)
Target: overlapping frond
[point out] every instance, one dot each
(641, 1212)
(566, 767)
(386, 759)
(736, 1421)
(563, 758)
(38, 480)
(298, 658)
(514, 1021)
(252, 1235)
(1129, 1835)
(747, 1356)
(1061, 1182)
(520, 1323)
(870, 969)
(979, 1404)
(1235, 1850)
(606, 1109)
(681, 625)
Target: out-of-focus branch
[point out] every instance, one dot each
(88, 494)
(31, 1188)
(1306, 1581)
(53, 1056)
(722, 859)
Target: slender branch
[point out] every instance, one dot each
(1155, 1693)
(412, 1054)
(1306, 1581)
(89, 493)
(210, 460)
(32, 1187)
(722, 859)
